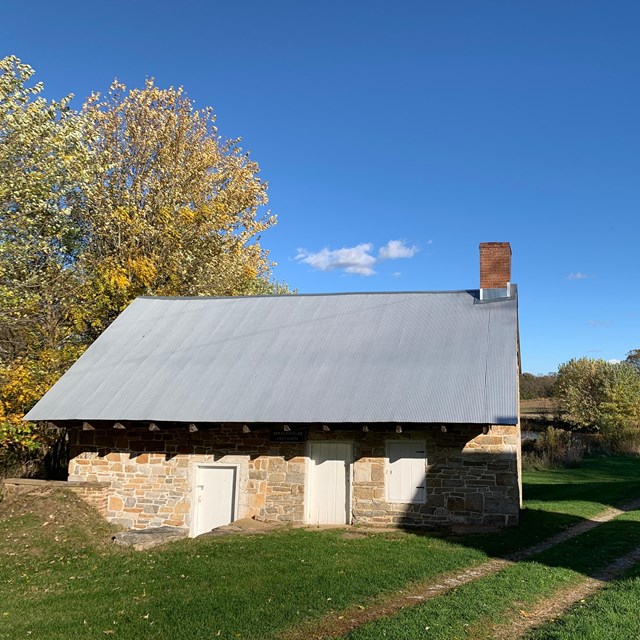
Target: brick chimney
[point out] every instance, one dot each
(495, 265)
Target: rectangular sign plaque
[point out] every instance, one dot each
(294, 435)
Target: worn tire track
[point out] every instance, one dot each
(561, 601)
(337, 624)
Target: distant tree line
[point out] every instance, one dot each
(533, 386)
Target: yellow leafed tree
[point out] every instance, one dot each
(137, 194)
(173, 208)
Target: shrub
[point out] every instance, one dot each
(32, 450)
(603, 397)
(554, 448)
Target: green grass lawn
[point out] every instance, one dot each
(558, 498)
(61, 577)
(612, 614)
(469, 612)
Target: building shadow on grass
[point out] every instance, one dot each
(556, 533)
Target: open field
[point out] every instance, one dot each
(62, 578)
(537, 407)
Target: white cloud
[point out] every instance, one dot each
(614, 361)
(599, 323)
(396, 249)
(578, 275)
(356, 259)
(359, 259)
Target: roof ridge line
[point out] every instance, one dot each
(309, 295)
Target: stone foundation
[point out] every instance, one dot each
(471, 478)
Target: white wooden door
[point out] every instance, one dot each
(406, 471)
(215, 498)
(328, 499)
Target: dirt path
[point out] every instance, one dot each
(337, 624)
(553, 607)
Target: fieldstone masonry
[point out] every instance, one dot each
(472, 478)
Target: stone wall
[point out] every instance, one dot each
(94, 493)
(472, 478)
(280, 492)
(151, 473)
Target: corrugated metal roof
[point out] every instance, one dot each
(366, 357)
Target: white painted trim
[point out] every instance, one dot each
(350, 496)
(386, 470)
(308, 481)
(195, 467)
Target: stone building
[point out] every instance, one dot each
(364, 408)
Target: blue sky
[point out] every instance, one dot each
(436, 125)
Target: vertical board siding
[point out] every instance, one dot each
(406, 475)
(329, 482)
